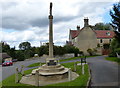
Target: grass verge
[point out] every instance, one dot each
(62, 60)
(35, 64)
(73, 58)
(10, 81)
(114, 59)
(80, 81)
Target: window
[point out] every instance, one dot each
(101, 41)
(108, 33)
(110, 40)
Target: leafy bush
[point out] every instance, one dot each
(71, 49)
(106, 46)
(117, 50)
(90, 51)
(115, 47)
(59, 50)
(20, 55)
(112, 54)
(98, 45)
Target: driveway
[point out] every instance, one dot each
(104, 73)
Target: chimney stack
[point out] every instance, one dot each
(86, 22)
(78, 27)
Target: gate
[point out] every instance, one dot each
(105, 51)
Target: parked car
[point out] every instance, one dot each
(7, 63)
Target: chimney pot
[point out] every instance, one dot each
(86, 22)
(78, 27)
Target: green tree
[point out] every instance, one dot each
(71, 49)
(5, 47)
(115, 14)
(12, 53)
(20, 55)
(28, 53)
(102, 26)
(114, 46)
(44, 49)
(34, 50)
(24, 45)
(59, 50)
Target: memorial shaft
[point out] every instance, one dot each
(50, 33)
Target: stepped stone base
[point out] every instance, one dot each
(49, 73)
(51, 70)
(30, 79)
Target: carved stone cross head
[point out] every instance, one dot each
(50, 8)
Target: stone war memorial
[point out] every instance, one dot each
(51, 72)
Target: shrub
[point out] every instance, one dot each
(90, 51)
(20, 55)
(98, 45)
(71, 49)
(106, 46)
(114, 46)
(112, 54)
(81, 53)
(117, 50)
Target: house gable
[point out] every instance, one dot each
(86, 39)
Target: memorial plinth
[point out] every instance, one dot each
(54, 72)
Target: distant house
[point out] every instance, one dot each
(5, 57)
(88, 38)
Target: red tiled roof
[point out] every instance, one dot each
(74, 33)
(103, 33)
(99, 33)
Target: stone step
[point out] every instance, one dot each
(51, 69)
(54, 73)
(54, 66)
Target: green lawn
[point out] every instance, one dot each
(10, 81)
(73, 58)
(80, 81)
(115, 59)
(35, 64)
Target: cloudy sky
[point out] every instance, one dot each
(27, 20)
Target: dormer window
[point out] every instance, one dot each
(108, 33)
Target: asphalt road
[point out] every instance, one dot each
(104, 73)
(9, 70)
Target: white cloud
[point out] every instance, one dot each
(29, 18)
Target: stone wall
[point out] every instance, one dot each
(70, 55)
(65, 56)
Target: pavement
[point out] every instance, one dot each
(103, 72)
